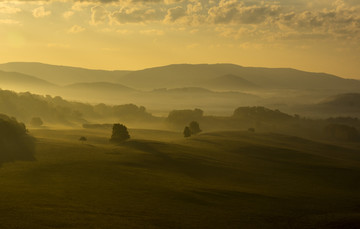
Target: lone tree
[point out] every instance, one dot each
(119, 133)
(36, 122)
(83, 139)
(187, 132)
(194, 127)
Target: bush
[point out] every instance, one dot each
(15, 142)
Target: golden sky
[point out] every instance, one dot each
(319, 35)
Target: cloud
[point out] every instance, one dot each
(232, 11)
(6, 9)
(173, 14)
(342, 21)
(40, 12)
(68, 14)
(99, 15)
(76, 29)
(134, 15)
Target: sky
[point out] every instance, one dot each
(318, 35)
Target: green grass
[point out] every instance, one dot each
(160, 180)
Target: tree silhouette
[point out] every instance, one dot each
(187, 132)
(194, 127)
(15, 143)
(119, 133)
(83, 139)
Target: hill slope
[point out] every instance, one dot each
(237, 179)
(271, 78)
(63, 75)
(230, 82)
(23, 82)
(188, 75)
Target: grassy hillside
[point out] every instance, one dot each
(160, 180)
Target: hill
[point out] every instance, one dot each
(214, 180)
(343, 101)
(98, 92)
(188, 75)
(270, 78)
(23, 82)
(99, 86)
(63, 75)
(58, 111)
(347, 104)
(230, 82)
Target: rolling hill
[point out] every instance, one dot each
(214, 180)
(63, 75)
(268, 78)
(230, 82)
(22, 82)
(189, 75)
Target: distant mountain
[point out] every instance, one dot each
(225, 76)
(187, 75)
(63, 75)
(22, 82)
(230, 82)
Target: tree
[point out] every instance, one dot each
(15, 142)
(194, 127)
(119, 133)
(83, 139)
(36, 122)
(187, 132)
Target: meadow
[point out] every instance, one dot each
(158, 179)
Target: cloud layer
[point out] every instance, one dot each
(300, 19)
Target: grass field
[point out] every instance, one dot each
(158, 179)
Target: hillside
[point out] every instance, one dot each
(344, 101)
(347, 104)
(99, 86)
(237, 179)
(23, 82)
(230, 82)
(58, 111)
(270, 78)
(188, 75)
(63, 75)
